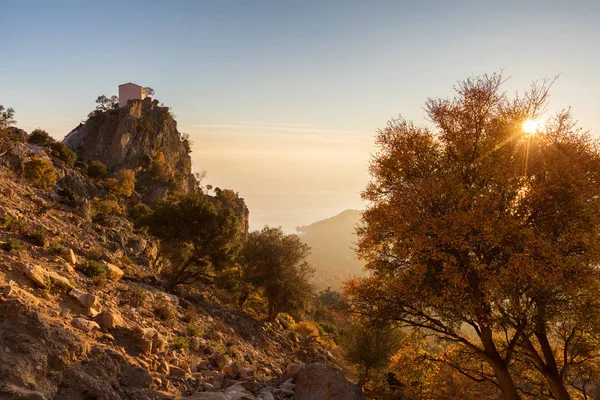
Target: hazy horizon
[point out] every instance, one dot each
(282, 100)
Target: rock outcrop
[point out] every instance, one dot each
(318, 381)
(131, 138)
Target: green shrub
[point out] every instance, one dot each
(102, 209)
(62, 152)
(40, 137)
(94, 269)
(57, 248)
(194, 330)
(164, 312)
(181, 342)
(40, 173)
(12, 224)
(38, 236)
(138, 211)
(13, 244)
(96, 169)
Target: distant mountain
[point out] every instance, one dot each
(332, 243)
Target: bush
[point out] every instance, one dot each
(96, 169)
(13, 244)
(38, 236)
(12, 224)
(126, 182)
(139, 211)
(164, 312)
(40, 173)
(103, 209)
(194, 330)
(94, 269)
(160, 170)
(181, 342)
(62, 152)
(58, 249)
(40, 137)
(308, 329)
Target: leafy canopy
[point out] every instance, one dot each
(276, 262)
(213, 228)
(479, 224)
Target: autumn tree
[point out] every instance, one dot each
(481, 234)
(276, 263)
(208, 230)
(149, 91)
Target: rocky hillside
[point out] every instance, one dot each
(83, 312)
(130, 138)
(332, 242)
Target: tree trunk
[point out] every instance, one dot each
(505, 381)
(550, 368)
(499, 365)
(176, 277)
(272, 313)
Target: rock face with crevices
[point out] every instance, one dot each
(130, 138)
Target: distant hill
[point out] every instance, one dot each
(332, 243)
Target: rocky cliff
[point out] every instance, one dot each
(133, 137)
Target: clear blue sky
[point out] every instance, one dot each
(282, 98)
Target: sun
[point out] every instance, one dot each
(531, 126)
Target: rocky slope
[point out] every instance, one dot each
(66, 335)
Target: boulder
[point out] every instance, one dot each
(231, 370)
(137, 377)
(218, 360)
(111, 320)
(318, 381)
(70, 257)
(144, 345)
(159, 343)
(89, 301)
(84, 324)
(113, 272)
(292, 370)
(237, 392)
(38, 275)
(59, 280)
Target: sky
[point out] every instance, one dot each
(282, 99)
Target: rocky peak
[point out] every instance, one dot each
(131, 138)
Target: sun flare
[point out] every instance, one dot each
(531, 126)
